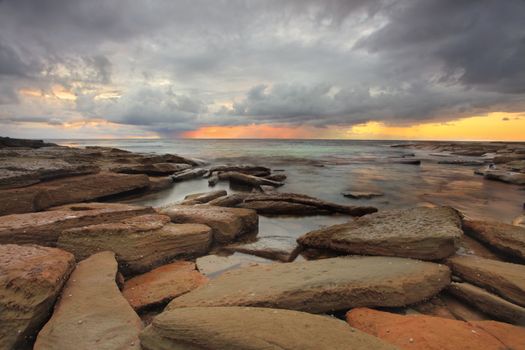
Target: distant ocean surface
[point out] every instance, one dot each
(325, 168)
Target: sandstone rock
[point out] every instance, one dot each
(508, 239)
(252, 328)
(470, 246)
(276, 177)
(512, 337)
(214, 265)
(508, 177)
(270, 247)
(434, 307)
(426, 332)
(188, 174)
(162, 284)
(205, 197)
(461, 162)
(323, 285)
(519, 221)
(226, 223)
(250, 180)
(422, 233)
(490, 304)
(160, 183)
(169, 158)
(230, 200)
(298, 204)
(462, 310)
(6, 142)
(68, 190)
(245, 169)
(154, 169)
(505, 279)
(92, 314)
(31, 278)
(140, 243)
(407, 161)
(359, 195)
(44, 227)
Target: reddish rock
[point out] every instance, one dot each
(419, 332)
(161, 285)
(31, 278)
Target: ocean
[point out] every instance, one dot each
(325, 168)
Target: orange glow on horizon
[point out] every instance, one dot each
(492, 127)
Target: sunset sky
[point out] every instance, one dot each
(356, 69)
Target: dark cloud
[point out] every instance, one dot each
(169, 66)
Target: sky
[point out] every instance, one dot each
(357, 69)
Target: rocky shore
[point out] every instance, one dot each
(82, 269)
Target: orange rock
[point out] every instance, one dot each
(162, 284)
(419, 332)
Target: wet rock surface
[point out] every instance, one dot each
(279, 248)
(214, 265)
(252, 328)
(162, 284)
(323, 285)
(31, 278)
(422, 233)
(92, 313)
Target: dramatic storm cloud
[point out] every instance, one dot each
(135, 68)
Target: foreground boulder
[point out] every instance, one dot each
(31, 278)
(422, 233)
(323, 285)
(420, 332)
(68, 190)
(505, 238)
(226, 223)
(159, 286)
(141, 243)
(44, 227)
(489, 303)
(92, 313)
(252, 328)
(505, 279)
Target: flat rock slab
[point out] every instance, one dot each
(505, 238)
(270, 247)
(504, 176)
(360, 195)
(68, 190)
(214, 265)
(489, 303)
(92, 313)
(251, 328)
(140, 243)
(419, 332)
(422, 233)
(162, 284)
(155, 169)
(505, 279)
(323, 285)
(31, 278)
(205, 197)
(226, 223)
(44, 227)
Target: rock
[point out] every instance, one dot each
(505, 279)
(359, 195)
(44, 227)
(155, 169)
(508, 239)
(434, 307)
(422, 233)
(246, 179)
(169, 158)
(92, 313)
(252, 328)
(25, 171)
(298, 204)
(461, 310)
(141, 243)
(213, 180)
(276, 177)
(226, 223)
(31, 278)
(504, 176)
(513, 337)
(230, 200)
(470, 246)
(6, 142)
(244, 169)
(461, 162)
(427, 332)
(490, 304)
(407, 161)
(214, 265)
(519, 221)
(323, 285)
(159, 286)
(205, 197)
(269, 247)
(160, 183)
(68, 190)
(188, 174)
